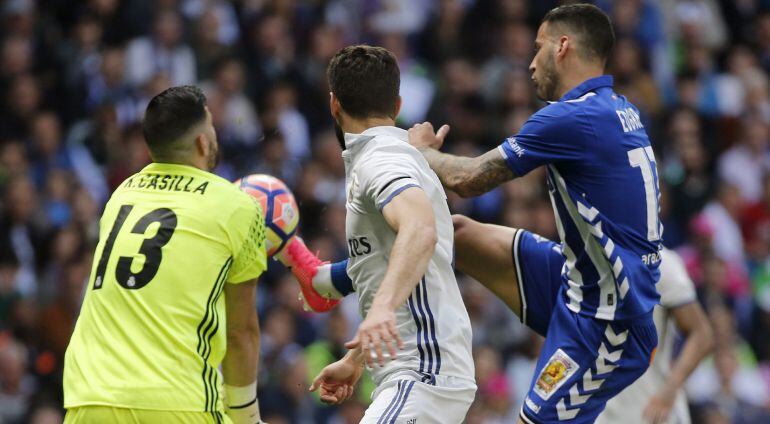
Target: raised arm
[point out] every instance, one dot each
(410, 215)
(463, 175)
(466, 176)
(239, 366)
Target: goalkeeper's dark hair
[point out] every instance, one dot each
(365, 80)
(170, 116)
(591, 26)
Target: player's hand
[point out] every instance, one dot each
(422, 136)
(659, 407)
(379, 328)
(336, 382)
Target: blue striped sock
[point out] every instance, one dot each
(340, 278)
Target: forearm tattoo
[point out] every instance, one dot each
(469, 176)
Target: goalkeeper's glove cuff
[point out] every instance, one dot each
(242, 405)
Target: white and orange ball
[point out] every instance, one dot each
(278, 205)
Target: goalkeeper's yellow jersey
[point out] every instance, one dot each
(151, 331)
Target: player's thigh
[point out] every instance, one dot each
(106, 414)
(522, 268)
(584, 363)
(483, 251)
(537, 263)
(410, 401)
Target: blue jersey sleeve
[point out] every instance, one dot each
(552, 135)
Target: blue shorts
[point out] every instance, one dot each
(584, 361)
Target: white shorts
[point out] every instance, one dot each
(404, 399)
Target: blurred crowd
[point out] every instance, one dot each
(75, 77)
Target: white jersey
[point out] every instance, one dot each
(433, 322)
(676, 289)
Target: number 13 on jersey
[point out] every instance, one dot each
(151, 248)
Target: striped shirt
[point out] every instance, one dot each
(603, 184)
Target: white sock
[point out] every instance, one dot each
(322, 283)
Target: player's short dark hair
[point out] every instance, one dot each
(365, 80)
(170, 115)
(590, 24)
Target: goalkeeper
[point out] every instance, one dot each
(173, 286)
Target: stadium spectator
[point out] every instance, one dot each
(164, 51)
(16, 385)
(744, 164)
(282, 115)
(234, 114)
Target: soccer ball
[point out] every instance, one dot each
(278, 205)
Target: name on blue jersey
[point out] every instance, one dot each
(515, 146)
(629, 119)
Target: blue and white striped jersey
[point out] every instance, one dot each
(604, 188)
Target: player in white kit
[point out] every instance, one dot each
(657, 396)
(400, 241)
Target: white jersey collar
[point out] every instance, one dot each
(353, 140)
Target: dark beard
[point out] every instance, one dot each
(340, 134)
(214, 157)
(550, 81)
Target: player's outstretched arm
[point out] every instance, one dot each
(410, 215)
(699, 342)
(463, 175)
(337, 381)
(239, 366)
